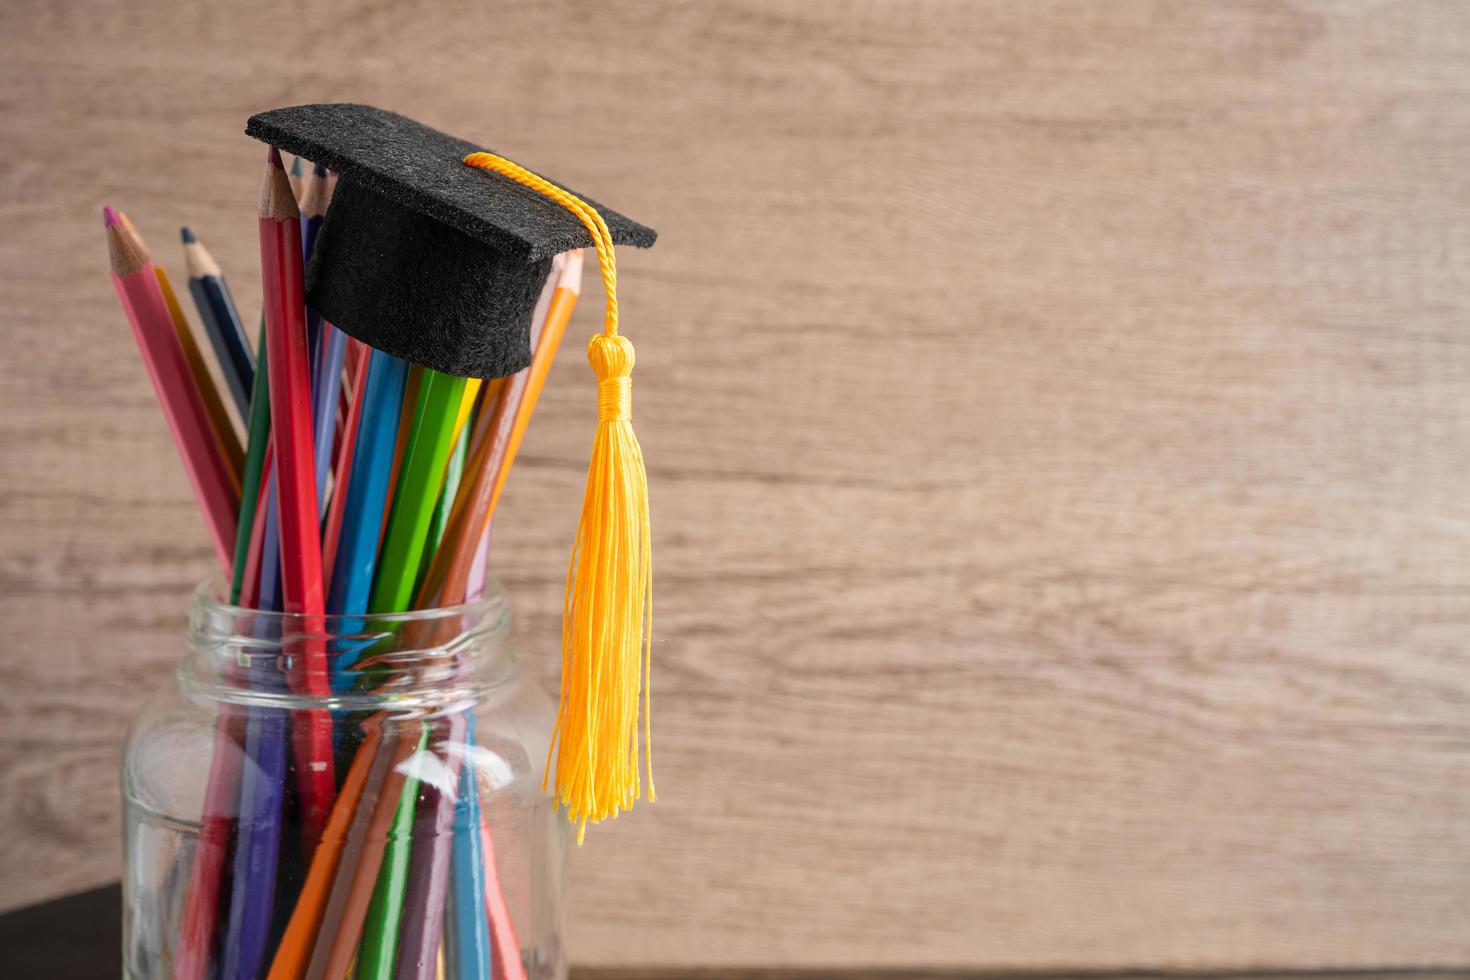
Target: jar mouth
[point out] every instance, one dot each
(289, 659)
(210, 594)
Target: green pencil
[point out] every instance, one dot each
(259, 432)
(424, 460)
(451, 486)
(380, 930)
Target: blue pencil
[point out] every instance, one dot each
(326, 387)
(252, 892)
(221, 320)
(367, 494)
(270, 550)
(468, 945)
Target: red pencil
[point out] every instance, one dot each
(301, 545)
(183, 406)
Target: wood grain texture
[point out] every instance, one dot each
(1057, 416)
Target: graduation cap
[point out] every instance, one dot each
(435, 251)
(420, 255)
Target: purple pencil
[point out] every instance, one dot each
(428, 882)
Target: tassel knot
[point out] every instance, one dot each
(612, 361)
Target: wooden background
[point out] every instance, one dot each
(1058, 417)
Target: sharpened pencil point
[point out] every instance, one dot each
(273, 157)
(187, 235)
(109, 216)
(318, 170)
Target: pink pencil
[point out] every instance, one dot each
(346, 448)
(183, 406)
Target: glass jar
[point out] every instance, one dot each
(384, 812)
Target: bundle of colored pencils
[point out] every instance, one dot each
(365, 486)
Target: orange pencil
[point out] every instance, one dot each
(215, 487)
(353, 888)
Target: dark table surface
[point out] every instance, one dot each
(76, 938)
(79, 937)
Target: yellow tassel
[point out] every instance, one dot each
(607, 618)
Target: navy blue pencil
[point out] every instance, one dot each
(314, 196)
(221, 320)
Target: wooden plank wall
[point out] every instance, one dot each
(1058, 417)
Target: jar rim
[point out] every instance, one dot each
(206, 596)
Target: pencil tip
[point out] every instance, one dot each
(296, 167)
(109, 216)
(318, 170)
(187, 235)
(273, 157)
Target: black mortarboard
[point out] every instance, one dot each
(421, 256)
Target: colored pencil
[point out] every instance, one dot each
(250, 579)
(257, 438)
(452, 476)
(294, 951)
(342, 929)
(327, 344)
(424, 461)
(335, 903)
(475, 582)
(368, 485)
(426, 453)
(400, 443)
(219, 416)
(221, 321)
(380, 931)
(253, 889)
(506, 947)
(507, 411)
(342, 480)
(300, 533)
(142, 298)
(217, 819)
(498, 438)
(469, 938)
(428, 883)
